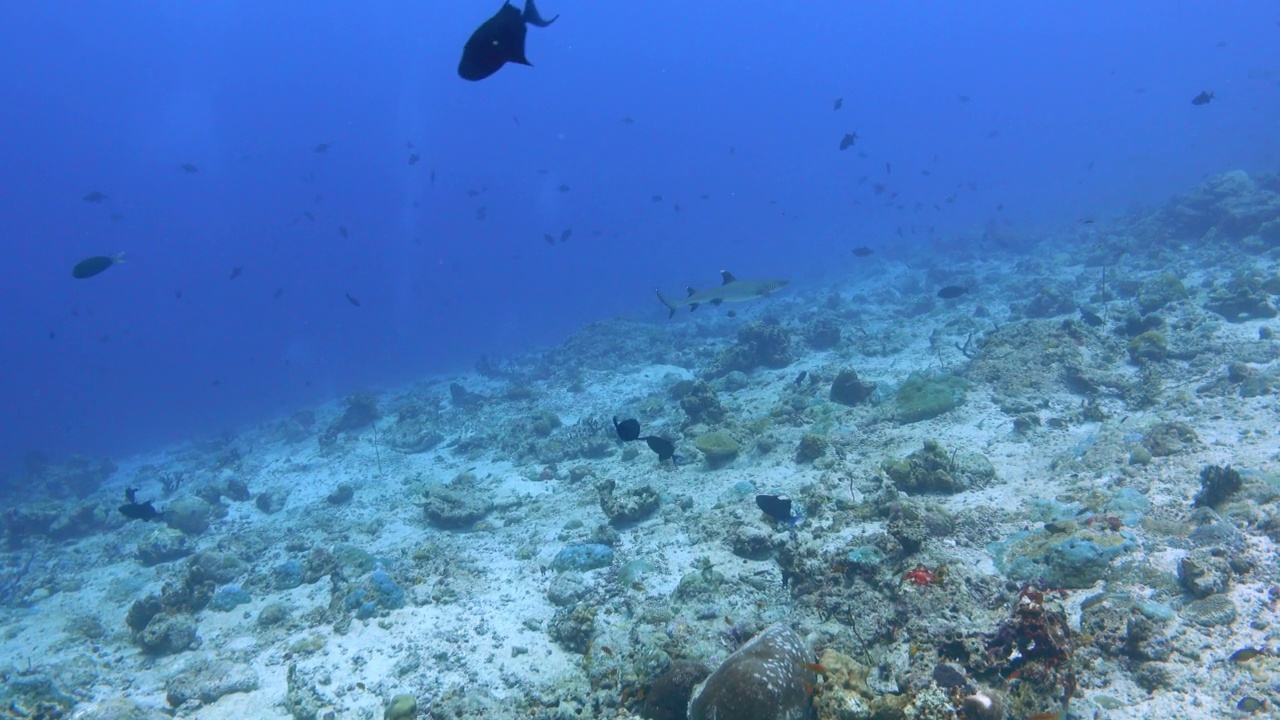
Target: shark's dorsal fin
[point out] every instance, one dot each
(692, 292)
(728, 277)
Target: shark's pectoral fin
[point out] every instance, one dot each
(692, 292)
(718, 302)
(693, 306)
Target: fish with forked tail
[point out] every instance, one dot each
(499, 40)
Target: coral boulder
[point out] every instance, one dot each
(766, 679)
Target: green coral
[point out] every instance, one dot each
(1160, 291)
(545, 423)
(811, 448)
(402, 707)
(717, 447)
(921, 397)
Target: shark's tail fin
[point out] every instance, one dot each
(668, 302)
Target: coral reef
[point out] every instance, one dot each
(922, 397)
(718, 447)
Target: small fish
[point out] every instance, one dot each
(342, 230)
(352, 299)
(888, 169)
(433, 178)
(848, 140)
(1250, 704)
(566, 234)
(628, 120)
(498, 41)
(839, 103)
(414, 158)
(1244, 654)
(481, 213)
(52, 335)
(551, 239)
(627, 430)
(963, 98)
(1204, 98)
(309, 215)
(665, 449)
(563, 188)
(94, 197)
(177, 294)
(993, 134)
(777, 507)
(189, 169)
(89, 267)
(655, 198)
(952, 292)
(135, 510)
(276, 295)
(236, 272)
(862, 251)
(800, 378)
(1090, 318)
(323, 147)
(879, 188)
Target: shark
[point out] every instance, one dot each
(731, 290)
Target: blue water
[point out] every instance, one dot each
(1073, 111)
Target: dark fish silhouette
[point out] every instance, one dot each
(839, 103)
(1090, 318)
(551, 240)
(352, 299)
(236, 272)
(862, 251)
(848, 140)
(135, 510)
(94, 197)
(566, 234)
(563, 188)
(343, 232)
(189, 168)
(952, 292)
(665, 448)
(627, 430)
(276, 295)
(498, 41)
(800, 378)
(89, 267)
(323, 147)
(777, 507)
(414, 158)
(1204, 98)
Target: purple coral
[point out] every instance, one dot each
(766, 679)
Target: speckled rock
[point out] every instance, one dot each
(627, 506)
(189, 514)
(168, 634)
(567, 588)
(766, 679)
(207, 680)
(163, 545)
(452, 507)
(1203, 574)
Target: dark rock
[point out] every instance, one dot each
(1216, 485)
(628, 506)
(847, 389)
(668, 694)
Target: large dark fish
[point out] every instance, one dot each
(952, 292)
(89, 267)
(135, 510)
(1204, 98)
(777, 507)
(627, 430)
(498, 41)
(665, 449)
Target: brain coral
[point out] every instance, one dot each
(766, 679)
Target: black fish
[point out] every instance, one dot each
(848, 140)
(800, 378)
(665, 448)
(414, 158)
(566, 234)
(89, 267)
(627, 430)
(352, 299)
(862, 251)
(236, 272)
(323, 147)
(777, 507)
(1090, 318)
(135, 510)
(1202, 99)
(839, 103)
(94, 197)
(189, 168)
(551, 240)
(498, 41)
(952, 292)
